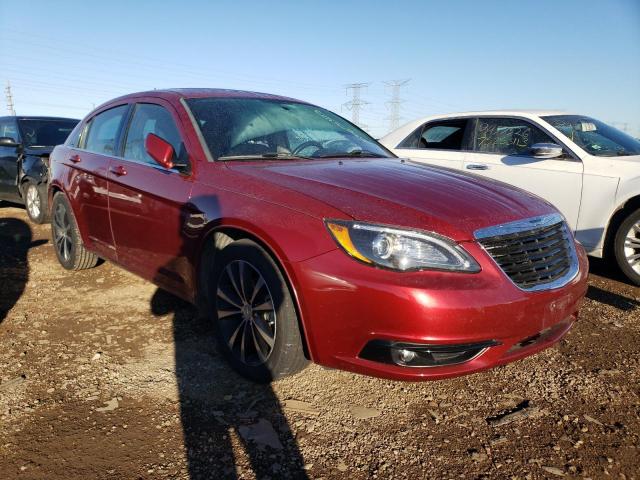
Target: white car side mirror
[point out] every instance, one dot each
(546, 150)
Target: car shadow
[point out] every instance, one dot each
(15, 242)
(612, 299)
(219, 409)
(608, 270)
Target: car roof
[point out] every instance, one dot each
(519, 112)
(179, 93)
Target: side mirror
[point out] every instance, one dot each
(546, 150)
(160, 150)
(8, 142)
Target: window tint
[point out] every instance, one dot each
(149, 118)
(412, 140)
(8, 129)
(103, 131)
(45, 133)
(507, 136)
(73, 140)
(444, 135)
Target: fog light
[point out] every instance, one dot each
(403, 356)
(423, 355)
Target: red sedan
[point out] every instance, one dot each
(304, 239)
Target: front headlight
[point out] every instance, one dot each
(400, 249)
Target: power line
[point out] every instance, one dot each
(356, 102)
(394, 104)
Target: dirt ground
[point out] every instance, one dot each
(102, 376)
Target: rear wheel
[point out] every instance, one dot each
(35, 202)
(66, 237)
(627, 247)
(256, 321)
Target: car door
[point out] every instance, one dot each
(501, 150)
(147, 202)
(88, 190)
(439, 142)
(9, 160)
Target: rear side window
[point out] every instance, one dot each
(103, 131)
(507, 136)
(441, 135)
(150, 118)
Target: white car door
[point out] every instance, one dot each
(500, 150)
(439, 143)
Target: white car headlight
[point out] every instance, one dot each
(400, 249)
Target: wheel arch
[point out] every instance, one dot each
(623, 211)
(219, 236)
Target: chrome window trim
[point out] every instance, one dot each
(530, 224)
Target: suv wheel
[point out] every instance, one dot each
(256, 321)
(627, 247)
(66, 237)
(35, 203)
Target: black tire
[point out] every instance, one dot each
(249, 351)
(67, 241)
(626, 247)
(36, 207)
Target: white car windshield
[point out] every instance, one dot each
(247, 128)
(595, 137)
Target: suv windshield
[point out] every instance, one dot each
(45, 132)
(246, 128)
(595, 137)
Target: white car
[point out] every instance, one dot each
(589, 170)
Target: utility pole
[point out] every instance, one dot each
(394, 104)
(356, 102)
(9, 96)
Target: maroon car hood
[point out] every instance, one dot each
(404, 194)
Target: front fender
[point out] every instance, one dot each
(627, 190)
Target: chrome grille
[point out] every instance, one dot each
(536, 253)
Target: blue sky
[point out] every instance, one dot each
(64, 57)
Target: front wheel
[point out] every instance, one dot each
(627, 247)
(66, 237)
(256, 320)
(35, 202)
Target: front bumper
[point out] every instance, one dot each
(346, 305)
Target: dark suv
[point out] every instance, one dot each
(25, 145)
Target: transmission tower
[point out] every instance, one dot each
(356, 102)
(9, 96)
(394, 104)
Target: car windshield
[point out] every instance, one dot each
(595, 137)
(248, 128)
(45, 132)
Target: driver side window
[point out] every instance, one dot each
(507, 136)
(150, 118)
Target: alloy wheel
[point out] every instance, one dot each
(33, 201)
(632, 247)
(246, 313)
(62, 232)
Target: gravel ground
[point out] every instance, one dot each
(103, 376)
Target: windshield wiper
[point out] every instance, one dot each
(265, 156)
(354, 153)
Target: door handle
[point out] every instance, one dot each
(75, 158)
(477, 166)
(118, 171)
